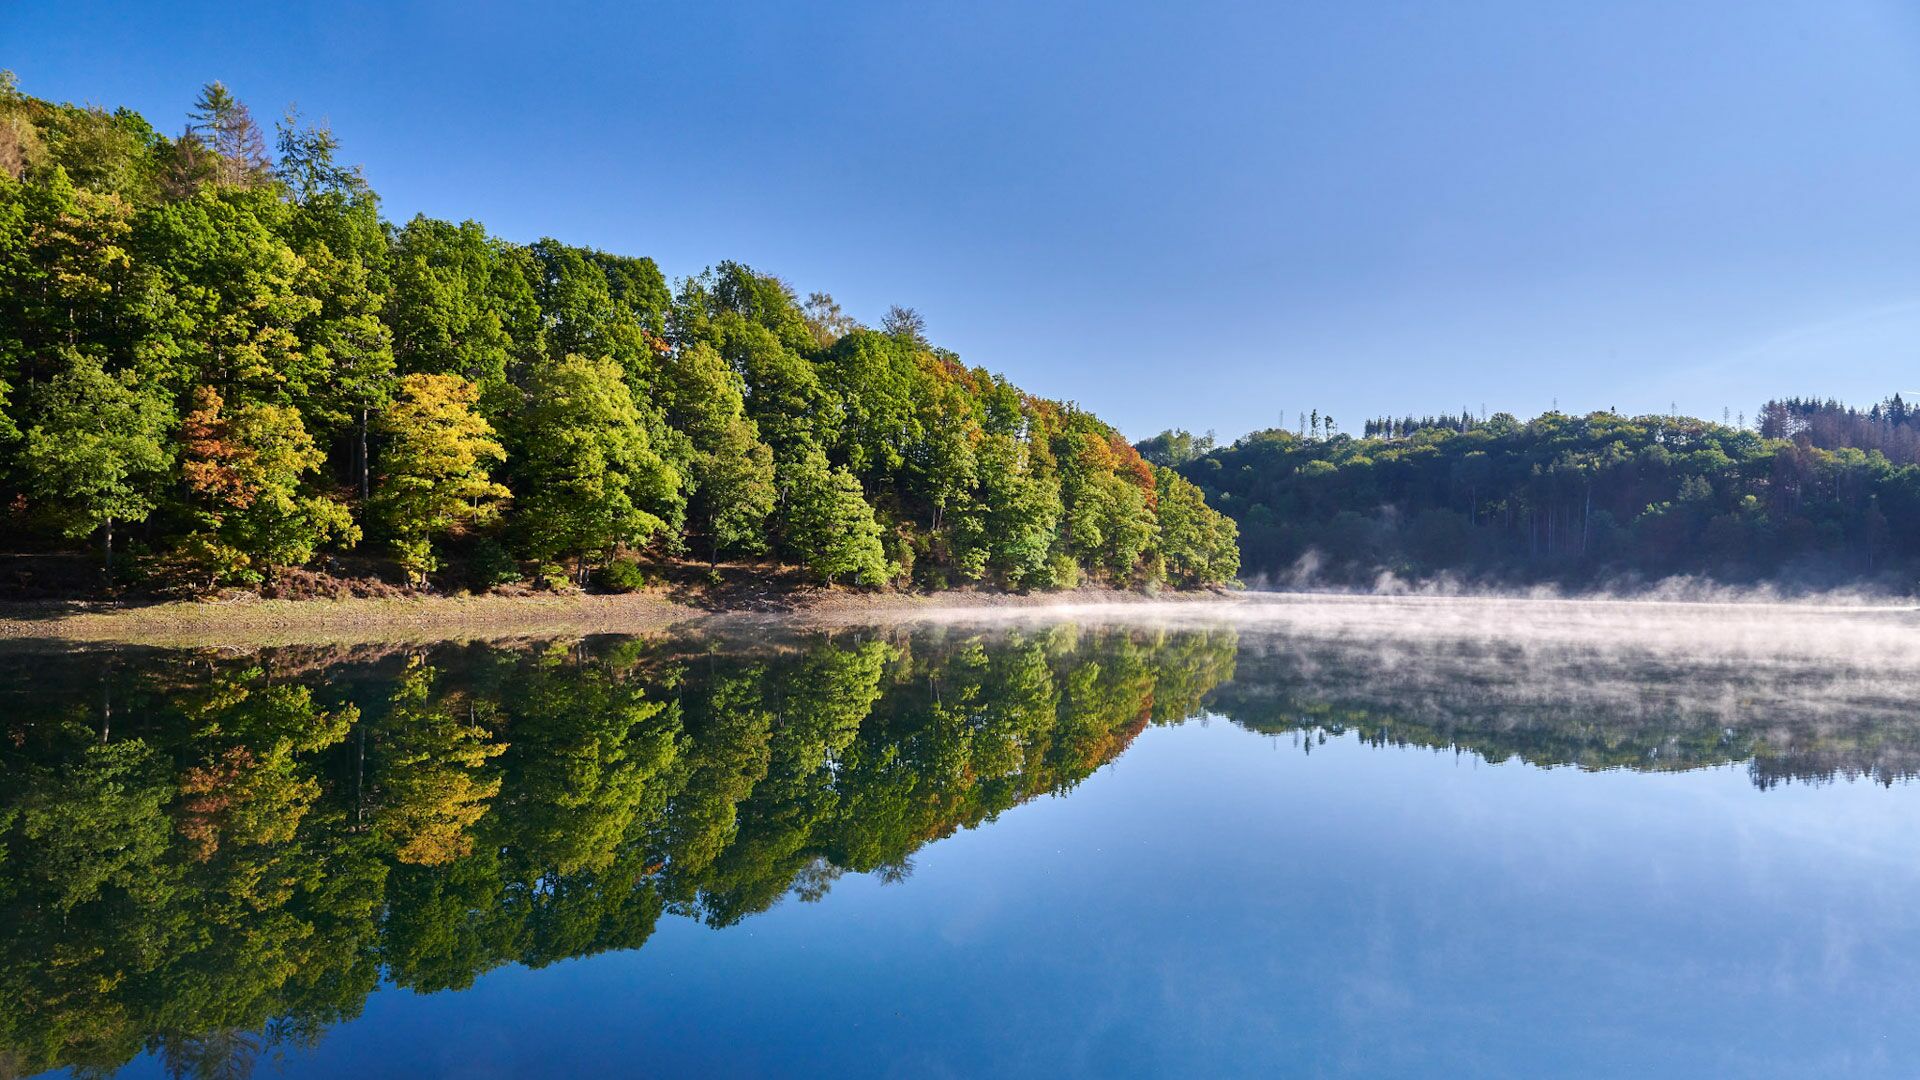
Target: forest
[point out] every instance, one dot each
(219, 362)
(1819, 496)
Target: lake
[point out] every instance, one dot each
(1312, 837)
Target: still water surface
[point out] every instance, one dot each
(1086, 849)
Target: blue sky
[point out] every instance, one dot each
(1194, 214)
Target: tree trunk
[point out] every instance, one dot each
(108, 543)
(366, 485)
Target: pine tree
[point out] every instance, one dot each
(223, 124)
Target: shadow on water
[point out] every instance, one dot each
(214, 857)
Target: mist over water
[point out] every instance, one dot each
(1828, 629)
(1809, 689)
(1309, 574)
(212, 860)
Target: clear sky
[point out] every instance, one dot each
(1194, 214)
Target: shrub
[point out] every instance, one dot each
(620, 575)
(1062, 573)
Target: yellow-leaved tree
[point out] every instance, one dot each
(436, 478)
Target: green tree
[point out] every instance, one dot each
(460, 304)
(736, 490)
(828, 523)
(876, 378)
(587, 472)
(68, 281)
(1014, 517)
(234, 297)
(96, 449)
(225, 125)
(731, 470)
(337, 231)
(1199, 545)
(246, 470)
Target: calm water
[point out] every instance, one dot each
(1392, 847)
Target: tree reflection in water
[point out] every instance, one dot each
(216, 858)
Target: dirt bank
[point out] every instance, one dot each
(249, 620)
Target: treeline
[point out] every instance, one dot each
(196, 849)
(1584, 500)
(227, 362)
(1891, 427)
(1401, 427)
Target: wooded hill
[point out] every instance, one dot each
(225, 362)
(1812, 498)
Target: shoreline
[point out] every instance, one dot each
(247, 621)
(252, 621)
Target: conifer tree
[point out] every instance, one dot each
(225, 125)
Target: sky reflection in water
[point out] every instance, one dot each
(1271, 851)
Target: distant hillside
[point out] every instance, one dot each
(1809, 499)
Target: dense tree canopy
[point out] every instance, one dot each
(227, 355)
(1581, 499)
(436, 466)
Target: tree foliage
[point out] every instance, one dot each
(1600, 498)
(589, 477)
(229, 350)
(96, 451)
(438, 454)
(246, 473)
(828, 523)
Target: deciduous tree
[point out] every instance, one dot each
(435, 477)
(96, 449)
(828, 523)
(588, 475)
